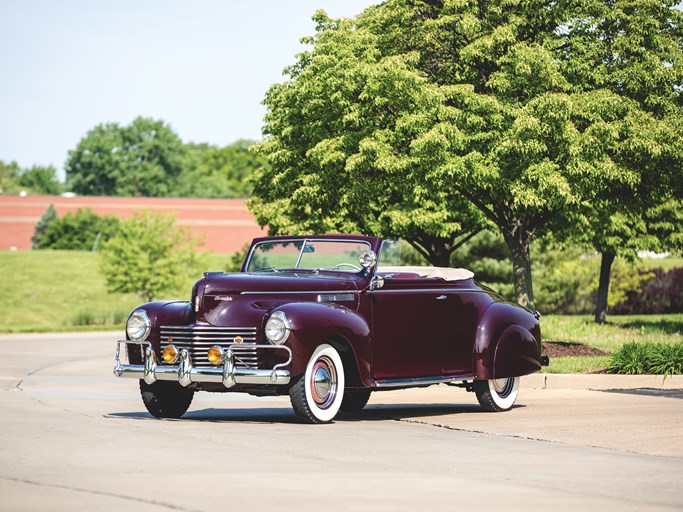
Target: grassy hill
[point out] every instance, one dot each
(49, 291)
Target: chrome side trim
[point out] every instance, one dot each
(303, 292)
(420, 381)
(336, 297)
(430, 290)
(186, 373)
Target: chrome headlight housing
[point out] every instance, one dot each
(138, 325)
(277, 328)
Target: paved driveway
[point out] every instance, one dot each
(72, 437)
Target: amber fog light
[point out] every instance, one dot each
(170, 354)
(216, 355)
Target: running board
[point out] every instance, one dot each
(420, 381)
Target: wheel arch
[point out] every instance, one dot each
(313, 324)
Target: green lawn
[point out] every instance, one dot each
(50, 291)
(607, 337)
(667, 263)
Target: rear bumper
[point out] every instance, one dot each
(185, 373)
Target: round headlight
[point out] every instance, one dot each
(277, 328)
(367, 258)
(138, 325)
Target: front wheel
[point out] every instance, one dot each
(318, 394)
(497, 395)
(355, 400)
(165, 399)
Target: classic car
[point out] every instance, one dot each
(328, 320)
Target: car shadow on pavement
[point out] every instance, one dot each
(378, 412)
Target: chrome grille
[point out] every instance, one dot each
(199, 339)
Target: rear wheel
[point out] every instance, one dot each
(355, 400)
(497, 395)
(318, 394)
(165, 399)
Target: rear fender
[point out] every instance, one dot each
(508, 342)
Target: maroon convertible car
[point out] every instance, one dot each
(329, 320)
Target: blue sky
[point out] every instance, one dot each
(203, 66)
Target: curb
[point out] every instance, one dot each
(601, 381)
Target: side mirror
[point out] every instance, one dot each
(377, 283)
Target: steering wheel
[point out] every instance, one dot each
(339, 265)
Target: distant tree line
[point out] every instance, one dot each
(32, 180)
(148, 159)
(143, 159)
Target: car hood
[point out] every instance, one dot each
(278, 282)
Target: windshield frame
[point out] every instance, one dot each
(304, 241)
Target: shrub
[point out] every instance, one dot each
(629, 359)
(151, 257)
(79, 231)
(659, 292)
(48, 218)
(652, 358)
(666, 359)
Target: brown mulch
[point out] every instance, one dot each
(564, 349)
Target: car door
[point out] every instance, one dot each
(409, 333)
(460, 326)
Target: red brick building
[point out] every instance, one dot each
(225, 224)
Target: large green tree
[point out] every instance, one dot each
(634, 52)
(429, 102)
(339, 137)
(144, 158)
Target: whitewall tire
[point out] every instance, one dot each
(497, 395)
(318, 394)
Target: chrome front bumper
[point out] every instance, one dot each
(185, 373)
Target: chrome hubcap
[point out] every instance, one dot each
(503, 387)
(323, 382)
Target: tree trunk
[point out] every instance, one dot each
(603, 288)
(441, 258)
(518, 242)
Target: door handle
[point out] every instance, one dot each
(441, 297)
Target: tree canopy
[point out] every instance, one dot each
(414, 111)
(144, 158)
(221, 171)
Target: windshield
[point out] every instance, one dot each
(341, 255)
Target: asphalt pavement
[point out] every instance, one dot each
(73, 437)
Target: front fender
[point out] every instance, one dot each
(508, 342)
(160, 313)
(312, 323)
